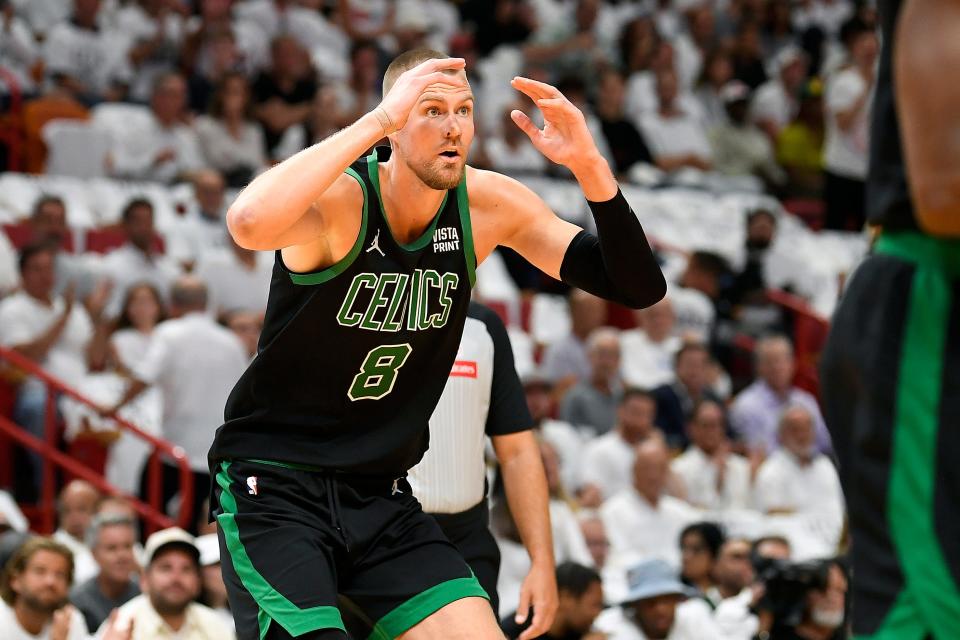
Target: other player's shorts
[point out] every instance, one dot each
(292, 538)
(469, 531)
(891, 389)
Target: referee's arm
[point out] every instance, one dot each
(509, 426)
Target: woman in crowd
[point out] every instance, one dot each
(699, 544)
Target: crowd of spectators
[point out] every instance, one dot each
(684, 475)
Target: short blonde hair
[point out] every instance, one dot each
(405, 61)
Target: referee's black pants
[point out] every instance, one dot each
(170, 487)
(469, 531)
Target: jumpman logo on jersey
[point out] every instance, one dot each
(375, 245)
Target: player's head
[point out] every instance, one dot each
(436, 138)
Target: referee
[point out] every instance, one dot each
(891, 370)
(483, 397)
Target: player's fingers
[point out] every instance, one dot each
(439, 77)
(537, 627)
(438, 64)
(526, 125)
(543, 89)
(523, 607)
(532, 91)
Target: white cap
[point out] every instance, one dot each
(209, 549)
(167, 537)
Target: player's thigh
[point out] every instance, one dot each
(468, 618)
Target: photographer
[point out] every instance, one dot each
(805, 601)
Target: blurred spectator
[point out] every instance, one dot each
(566, 441)
(756, 410)
(9, 273)
(580, 593)
(637, 46)
(194, 389)
(34, 589)
(748, 56)
(237, 278)
(736, 615)
(849, 97)
(822, 612)
(715, 479)
(592, 403)
(774, 104)
(642, 521)
(693, 45)
(595, 535)
(153, 31)
(213, 592)
(642, 93)
(112, 538)
(202, 230)
(19, 51)
(571, 46)
(324, 120)
(797, 478)
(361, 91)
(623, 138)
(800, 144)
(167, 150)
(677, 400)
(676, 139)
(137, 260)
(648, 350)
(282, 93)
(654, 608)
(717, 71)
(170, 582)
(11, 517)
(739, 147)
(87, 61)
(778, 30)
(608, 460)
(699, 543)
(825, 15)
(50, 330)
(48, 222)
(76, 507)
(565, 360)
(503, 22)
(141, 311)
(510, 151)
(771, 548)
(246, 325)
(231, 141)
(732, 571)
(367, 19)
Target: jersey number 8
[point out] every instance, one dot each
(378, 373)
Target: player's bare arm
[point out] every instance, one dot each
(298, 205)
(618, 264)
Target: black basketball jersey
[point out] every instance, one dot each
(888, 195)
(353, 358)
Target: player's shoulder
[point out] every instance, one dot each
(490, 190)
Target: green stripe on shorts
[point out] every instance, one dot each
(273, 604)
(422, 605)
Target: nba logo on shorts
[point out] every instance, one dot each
(252, 486)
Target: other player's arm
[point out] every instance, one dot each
(282, 206)
(618, 263)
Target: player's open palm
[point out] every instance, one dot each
(565, 138)
(406, 91)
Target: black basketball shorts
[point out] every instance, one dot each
(293, 538)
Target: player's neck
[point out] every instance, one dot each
(409, 205)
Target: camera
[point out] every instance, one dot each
(786, 587)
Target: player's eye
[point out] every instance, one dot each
(433, 112)
(464, 111)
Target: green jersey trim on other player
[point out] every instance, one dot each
(424, 604)
(331, 272)
(463, 204)
(374, 171)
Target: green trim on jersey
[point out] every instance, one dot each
(285, 465)
(331, 272)
(373, 168)
(463, 204)
(921, 249)
(274, 606)
(424, 604)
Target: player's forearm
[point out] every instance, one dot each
(279, 197)
(527, 495)
(595, 178)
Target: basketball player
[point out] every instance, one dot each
(891, 371)
(375, 260)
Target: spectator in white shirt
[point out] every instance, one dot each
(203, 229)
(595, 537)
(9, 273)
(592, 403)
(657, 608)
(847, 104)
(676, 139)
(34, 589)
(756, 411)
(76, 506)
(565, 361)
(732, 571)
(86, 60)
(237, 278)
(775, 102)
(715, 479)
(740, 148)
(510, 151)
(608, 461)
(168, 149)
(232, 142)
(154, 34)
(566, 440)
(642, 521)
(138, 259)
(735, 615)
(797, 478)
(195, 363)
(50, 330)
(699, 545)
(48, 222)
(648, 351)
(18, 49)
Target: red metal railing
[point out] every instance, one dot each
(151, 510)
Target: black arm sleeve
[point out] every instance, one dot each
(508, 411)
(617, 264)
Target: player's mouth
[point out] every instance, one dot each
(450, 155)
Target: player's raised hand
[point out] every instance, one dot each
(403, 95)
(565, 138)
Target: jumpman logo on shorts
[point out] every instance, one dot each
(375, 245)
